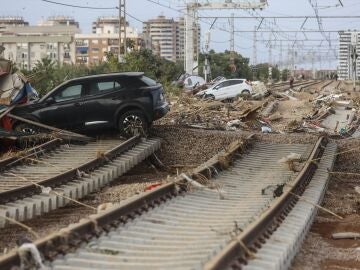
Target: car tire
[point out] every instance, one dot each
(26, 128)
(210, 97)
(245, 94)
(132, 123)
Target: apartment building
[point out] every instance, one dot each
(162, 33)
(346, 39)
(25, 44)
(91, 48)
(167, 37)
(11, 21)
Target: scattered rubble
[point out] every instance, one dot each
(294, 110)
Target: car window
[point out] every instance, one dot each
(103, 86)
(108, 86)
(219, 85)
(135, 82)
(69, 93)
(227, 83)
(148, 81)
(237, 82)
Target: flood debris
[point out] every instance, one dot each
(345, 235)
(30, 257)
(290, 161)
(303, 109)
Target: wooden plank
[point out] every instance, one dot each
(7, 111)
(61, 132)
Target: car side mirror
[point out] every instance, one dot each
(50, 100)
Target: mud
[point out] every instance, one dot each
(319, 250)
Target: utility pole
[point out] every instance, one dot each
(192, 6)
(270, 58)
(313, 64)
(254, 54)
(354, 56)
(206, 64)
(189, 38)
(122, 33)
(281, 55)
(232, 44)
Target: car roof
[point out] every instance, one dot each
(108, 75)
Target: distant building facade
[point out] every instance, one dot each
(11, 21)
(344, 55)
(166, 37)
(25, 45)
(91, 48)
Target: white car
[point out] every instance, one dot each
(227, 89)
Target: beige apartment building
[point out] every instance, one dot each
(91, 48)
(166, 37)
(26, 45)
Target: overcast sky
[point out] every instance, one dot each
(36, 10)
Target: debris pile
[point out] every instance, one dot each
(209, 114)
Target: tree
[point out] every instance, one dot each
(220, 65)
(262, 72)
(43, 75)
(47, 74)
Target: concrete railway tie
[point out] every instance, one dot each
(36, 205)
(278, 251)
(186, 231)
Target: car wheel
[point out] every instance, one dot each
(133, 123)
(245, 94)
(210, 97)
(26, 128)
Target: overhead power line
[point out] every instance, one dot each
(76, 6)
(282, 17)
(89, 7)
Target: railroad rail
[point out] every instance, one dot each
(174, 227)
(72, 170)
(302, 84)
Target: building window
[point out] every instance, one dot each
(82, 50)
(95, 50)
(95, 41)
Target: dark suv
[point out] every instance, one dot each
(129, 101)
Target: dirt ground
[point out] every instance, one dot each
(319, 250)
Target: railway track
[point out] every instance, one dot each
(177, 227)
(48, 176)
(302, 84)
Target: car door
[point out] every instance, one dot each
(236, 88)
(64, 106)
(223, 91)
(101, 99)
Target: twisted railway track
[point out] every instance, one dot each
(48, 176)
(211, 226)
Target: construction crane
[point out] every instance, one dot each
(192, 6)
